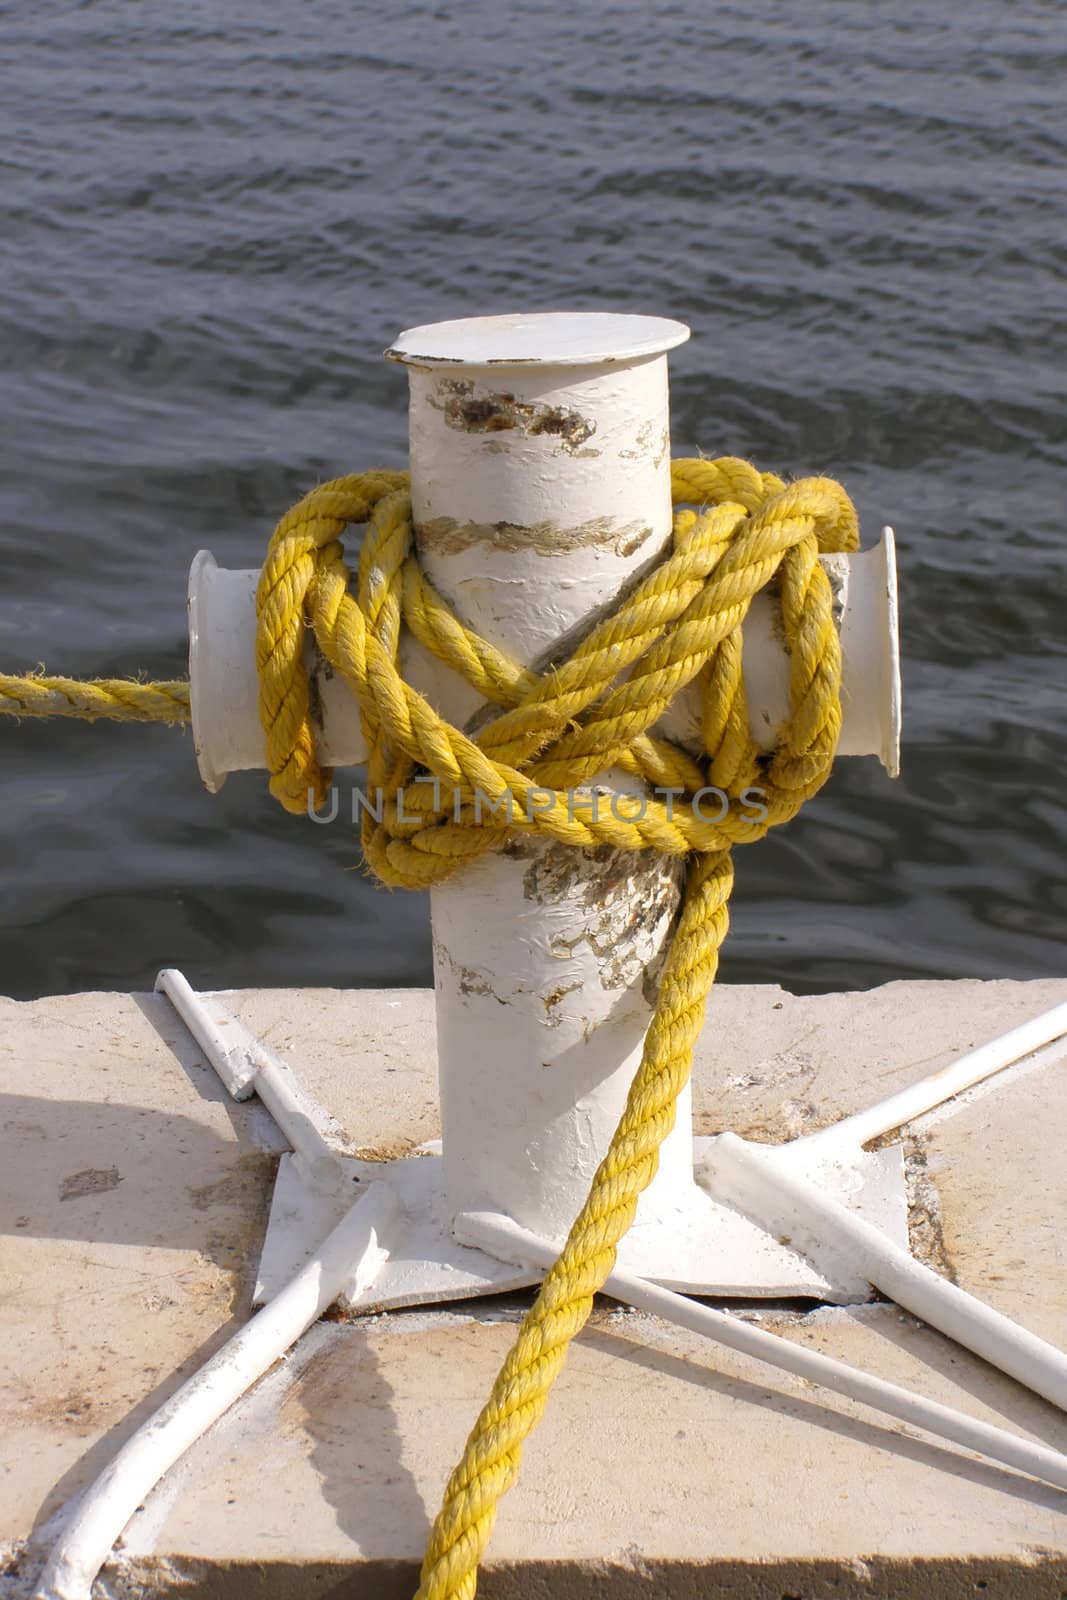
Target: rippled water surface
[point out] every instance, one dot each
(214, 219)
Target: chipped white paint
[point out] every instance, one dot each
(909, 1016)
(693, 1241)
(540, 462)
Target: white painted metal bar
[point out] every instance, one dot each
(959, 1075)
(764, 1183)
(354, 1247)
(510, 1242)
(230, 1054)
(246, 1066)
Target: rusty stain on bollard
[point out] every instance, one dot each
(468, 412)
(446, 536)
(469, 981)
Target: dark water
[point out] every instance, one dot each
(216, 216)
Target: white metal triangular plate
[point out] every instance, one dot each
(701, 1247)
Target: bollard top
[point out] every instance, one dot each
(538, 338)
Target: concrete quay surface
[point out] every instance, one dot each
(133, 1200)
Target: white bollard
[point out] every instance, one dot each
(540, 467)
(540, 476)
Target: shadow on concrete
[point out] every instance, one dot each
(115, 1173)
(88, 1466)
(885, 1437)
(250, 1120)
(101, 1173)
(1020, 1409)
(363, 1474)
(112, 1172)
(332, 1392)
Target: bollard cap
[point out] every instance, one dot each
(538, 338)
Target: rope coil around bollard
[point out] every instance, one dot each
(735, 531)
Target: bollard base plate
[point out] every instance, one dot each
(682, 1237)
(696, 1245)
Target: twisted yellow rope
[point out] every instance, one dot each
(119, 699)
(735, 531)
(564, 726)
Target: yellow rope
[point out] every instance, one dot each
(119, 699)
(562, 727)
(735, 531)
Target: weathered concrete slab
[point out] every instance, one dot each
(133, 1197)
